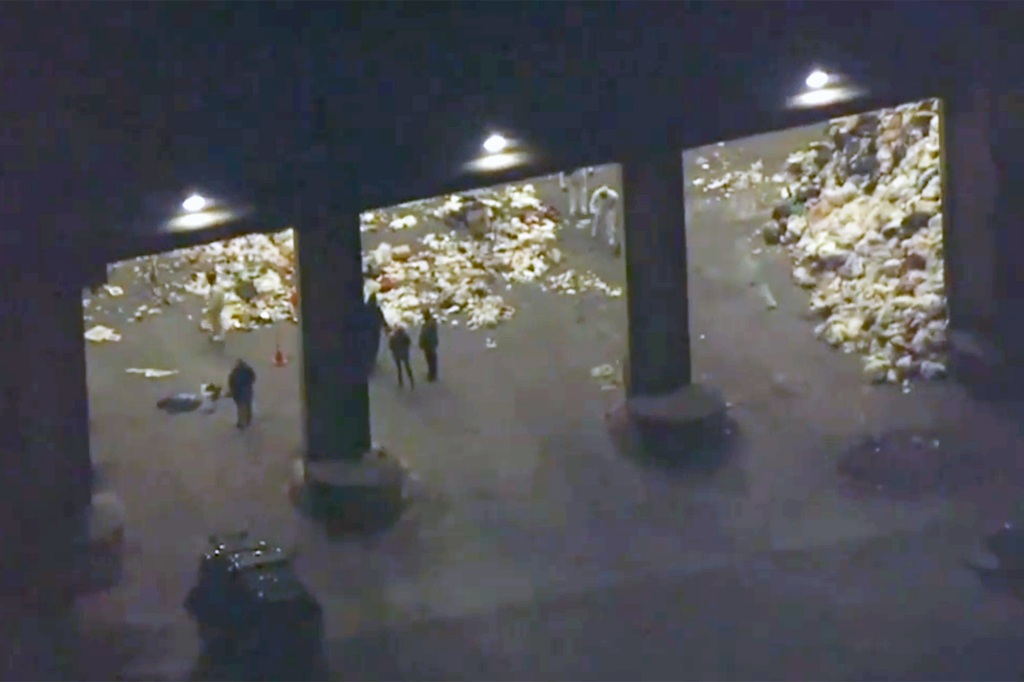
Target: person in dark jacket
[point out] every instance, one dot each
(428, 344)
(379, 322)
(400, 345)
(241, 382)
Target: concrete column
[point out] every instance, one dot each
(664, 413)
(1007, 149)
(46, 481)
(337, 409)
(656, 276)
(344, 478)
(969, 197)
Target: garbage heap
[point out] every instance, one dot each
(457, 274)
(861, 218)
(257, 271)
(452, 271)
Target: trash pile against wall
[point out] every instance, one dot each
(257, 272)
(457, 272)
(861, 218)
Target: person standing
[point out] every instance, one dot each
(400, 345)
(604, 204)
(241, 382)
(428, 344)
(378, 321)
(575, 183)
(215, 307)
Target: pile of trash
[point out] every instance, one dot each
(572, 282)
(456, 272)
(731, 180)
(257, 272)
(861, 219)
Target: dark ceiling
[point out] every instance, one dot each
(112, 109)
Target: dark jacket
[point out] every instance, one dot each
(400, 343)
(428, 334)
(241, 381)
(376, 314)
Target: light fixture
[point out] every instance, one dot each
(194, 203)
(492, 163)
(495, 144)
(825, 97)
(817, 79)
(199, 220)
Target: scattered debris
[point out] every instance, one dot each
(150, 373)
(607, 375)
(144, 311)
(102, 334)
(456, 272)
(860, 216)
(731, 180)
(572, 282)
(862, 221)
(403, 223)
(491, 343)
(769, 299)
(113, 290)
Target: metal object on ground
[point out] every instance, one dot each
(255, 618)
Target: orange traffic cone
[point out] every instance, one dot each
(279, 358)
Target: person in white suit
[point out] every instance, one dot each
(604, 205)
(575, 183)
(215, 307)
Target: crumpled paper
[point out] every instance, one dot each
(150, 373)
(607, 375)
(102, 334)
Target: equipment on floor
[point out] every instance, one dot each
(255, 617)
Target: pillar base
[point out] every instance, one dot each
(999, 559)
(977, 363)
(100, 547)
(352, 495)
(682, 427)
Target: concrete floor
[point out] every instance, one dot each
(533, 551)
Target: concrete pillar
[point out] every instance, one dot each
(665, 413)
(337, 409)
(1007, 147)
(656, 276)
(969, 199)
(343, 478)
(46, 481)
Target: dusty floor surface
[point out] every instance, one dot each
(533, 551)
